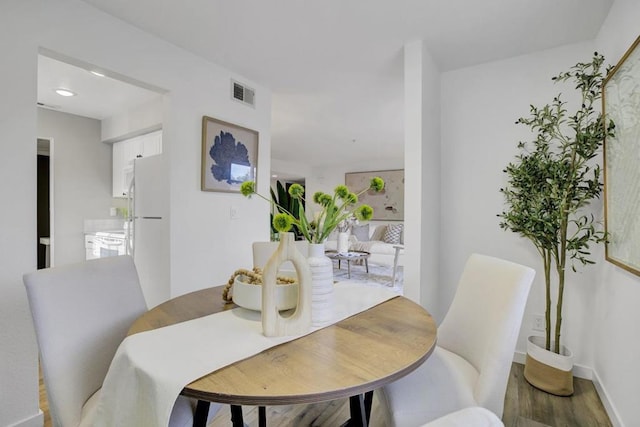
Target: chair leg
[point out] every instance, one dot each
(201, 414)
(262, 416)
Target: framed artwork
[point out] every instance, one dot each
(229, 155)
(621, 104)
(388, 204)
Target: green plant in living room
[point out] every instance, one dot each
(553, 179)
(333, 209)
(283, 201)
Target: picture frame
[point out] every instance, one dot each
(388, 204)
(229, 155)
(621, 104)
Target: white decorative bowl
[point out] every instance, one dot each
(250, 296)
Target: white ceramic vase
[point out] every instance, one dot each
(343, 242)
(322, 302)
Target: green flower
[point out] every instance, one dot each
(296, 191)
(377, 184)
(316, 196)
(325, 199)
(342, 191)
(364, 212)
(282, 222)
(336, 208)
(248, 188)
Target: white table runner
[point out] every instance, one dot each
(151, 368)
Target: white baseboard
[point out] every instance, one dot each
(606, 402)
(587, 373)
(36, 420)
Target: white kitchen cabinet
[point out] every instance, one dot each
(124, 154)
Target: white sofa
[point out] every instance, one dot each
(382, 253)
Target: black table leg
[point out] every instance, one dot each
(368, 402)
(360, 408)
(358, 413)
(236, 416)
(262, 416)
(201, 414)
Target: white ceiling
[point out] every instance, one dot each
(96, 97)
(335, 66)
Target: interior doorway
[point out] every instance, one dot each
(44, 203)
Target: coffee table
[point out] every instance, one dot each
(349, 256)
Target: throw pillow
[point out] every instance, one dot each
(378, 233)
(361, 232)
(392, 234)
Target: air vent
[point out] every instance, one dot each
(241, 93)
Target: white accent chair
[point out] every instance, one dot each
(471, 363)
(468, 417)
(81, 313)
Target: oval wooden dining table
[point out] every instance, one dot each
(350, 358)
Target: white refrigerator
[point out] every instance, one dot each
(148, 234)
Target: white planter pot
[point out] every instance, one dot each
(547, 370)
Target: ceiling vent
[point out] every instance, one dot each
(242, 93)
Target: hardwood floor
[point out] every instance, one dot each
(525, 406)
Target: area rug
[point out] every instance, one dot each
(379, 275)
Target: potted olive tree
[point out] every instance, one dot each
(548, 186)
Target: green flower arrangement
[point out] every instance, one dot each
(334, 209)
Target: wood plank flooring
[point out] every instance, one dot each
(525, 406)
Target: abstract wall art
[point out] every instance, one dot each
(388, 204)
(229, 155)
(621, 104)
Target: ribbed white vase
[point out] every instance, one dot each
(322, 285)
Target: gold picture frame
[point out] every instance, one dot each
(229, 155)
(621, 104)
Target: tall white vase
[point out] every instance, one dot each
(343, 242)
(322, 302)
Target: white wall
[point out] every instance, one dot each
(18, 352)
(296, 169)
(422, 176)
(429, 208)
(201, 228)
(479, 138)
(138, 120)
(617, 349)
(82, 179)
(600, 311)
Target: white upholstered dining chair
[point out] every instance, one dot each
(473, 416)
(476, 341)
(81, 313)
(262, 251)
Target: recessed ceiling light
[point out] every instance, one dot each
(274, 176)
(65, 92)
(96, 73)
